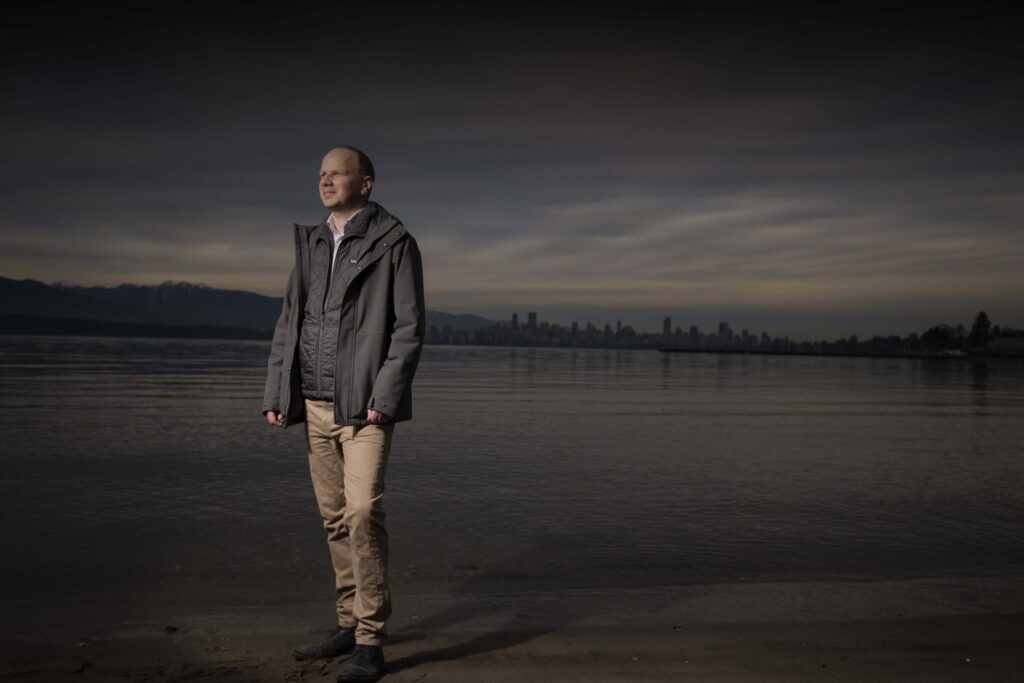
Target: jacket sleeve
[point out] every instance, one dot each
(272, 391)
(395, 376)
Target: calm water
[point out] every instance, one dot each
(142, 469)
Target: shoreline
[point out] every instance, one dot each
(111, 330)
(949, 648)
(927, 629)
(934, 355)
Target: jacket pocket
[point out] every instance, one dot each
(369, 355)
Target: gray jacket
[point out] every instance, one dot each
(369, 326)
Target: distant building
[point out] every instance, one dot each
(724, 334)
(532, 324)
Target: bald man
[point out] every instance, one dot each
(345, 350)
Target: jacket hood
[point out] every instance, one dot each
(373, 222)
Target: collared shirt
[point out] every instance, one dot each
(338, 235)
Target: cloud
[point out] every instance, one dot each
(735, 172)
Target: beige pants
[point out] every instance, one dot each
(347, 465)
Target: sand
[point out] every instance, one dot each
(964, 629)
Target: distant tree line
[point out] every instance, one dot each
(982, 332)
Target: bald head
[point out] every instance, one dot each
(363, 163)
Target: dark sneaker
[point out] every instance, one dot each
(364, 666)
(338, 642)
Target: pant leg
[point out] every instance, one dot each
(365, 452)
(326, 469)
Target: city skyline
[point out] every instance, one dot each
(722, 329)
(806, 177)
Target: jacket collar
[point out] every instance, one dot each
(379, 229)
(357, 225)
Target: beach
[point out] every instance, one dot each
(925, 629)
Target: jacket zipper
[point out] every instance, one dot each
(323, 309)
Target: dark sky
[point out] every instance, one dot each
(810, 175)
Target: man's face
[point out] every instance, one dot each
(341, 186)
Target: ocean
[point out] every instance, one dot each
(140, 471)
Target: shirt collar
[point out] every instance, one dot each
(330, 222)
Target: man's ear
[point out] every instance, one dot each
(367, 185)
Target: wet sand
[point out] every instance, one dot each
(934, 630)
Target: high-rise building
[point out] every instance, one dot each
(724, 333)
(532, 324)
(666, 328)
(515, 321)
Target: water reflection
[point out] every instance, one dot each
(148, 461)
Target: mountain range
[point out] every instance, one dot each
(33, 306)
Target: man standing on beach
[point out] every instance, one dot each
(345, 350)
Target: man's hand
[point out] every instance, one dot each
(275, 418)
(376, 417)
